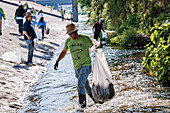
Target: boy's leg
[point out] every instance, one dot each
(20, 26)
(83, 84)
(42, 32)
(30, 51)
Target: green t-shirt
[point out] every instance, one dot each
(62, 12)
(79, 50)
(34, 12)
(25, 6)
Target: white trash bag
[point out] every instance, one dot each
(38, 32)
(6, 24)
(14, 56)
(102, 88)
(104, 35)
(95, 44)
(47, 31)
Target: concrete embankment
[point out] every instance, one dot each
(16, 78)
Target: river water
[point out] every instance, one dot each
(55, 91)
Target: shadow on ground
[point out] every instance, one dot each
(14, 34)
(18, 67)
(54, 44)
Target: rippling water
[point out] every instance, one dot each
(55, 91)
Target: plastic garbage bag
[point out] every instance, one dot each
(6, 24)
(38, 33)
(14, 57)
(95, 45)
(104, 35)
(47, 31)
(101, 36)
(102, 88)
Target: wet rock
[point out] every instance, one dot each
(2, 82)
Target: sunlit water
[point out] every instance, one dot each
(55, 91)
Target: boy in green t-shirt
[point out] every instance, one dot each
(2, 14)
(33, 11)
(62, 14)
(79, 45)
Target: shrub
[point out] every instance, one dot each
(157, 60)
(127, 38)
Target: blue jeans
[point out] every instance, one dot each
(62, 16)
(30, 46)
(42, 27)
(83, 83)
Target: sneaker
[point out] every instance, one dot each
(0, 33)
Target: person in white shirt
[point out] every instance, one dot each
(39, 15)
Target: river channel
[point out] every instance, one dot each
(56, 92)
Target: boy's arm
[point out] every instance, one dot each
(61, 56)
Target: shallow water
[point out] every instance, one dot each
(55, 91)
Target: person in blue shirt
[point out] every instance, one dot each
(42, 25)
(29, 35)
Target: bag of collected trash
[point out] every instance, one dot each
(6, 24)
(100, 35)
(47, 31)
(14, 56)
(102, 88)
(104, 36)
(38, 33)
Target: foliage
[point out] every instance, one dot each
(157, 60)
(122, 15)
(127, 38)
(82, 11)
(128, 18)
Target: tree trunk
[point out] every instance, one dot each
(75, 10)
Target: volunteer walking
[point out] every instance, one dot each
(19, 16)
(97, 29)
(29, 35)
(62, 14)
(78, 45)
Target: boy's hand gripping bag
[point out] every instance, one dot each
(102, 88)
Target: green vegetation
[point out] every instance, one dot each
(81, 10)
(157, 60)
(134, 22)
(127, 17)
